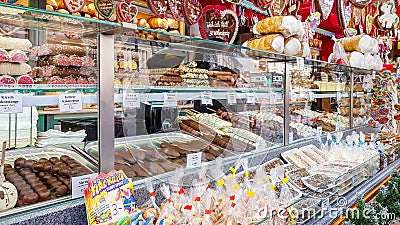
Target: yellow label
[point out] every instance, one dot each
(272, 187)
(250, 193)
(267, 179)
(246, 174)
(233, 170)
(285, 180)
(220, 182)
(236, 187)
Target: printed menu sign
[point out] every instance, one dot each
(70, 102)
(10, 103)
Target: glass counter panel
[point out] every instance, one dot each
(181, 105)
(55, 75)
(362, 93)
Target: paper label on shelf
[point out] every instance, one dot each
(338, 97)
(251, 98)
(359, 94)
(354, 180)
(194, 159)
(10, 103)
(300, 63)
(385, 162)
(117, 209)
(206, 98)
(311, 96)
(131, 100)
(394, 157)
(79, 184)
(257, 79)
(260, 146)
(232, 98)
(272, 98)
(170, 100)
(290, 137)
(337, 128)
(319, 131)
(70, 102)
(325, 204)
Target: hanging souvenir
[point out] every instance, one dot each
(314, 19)
(360, 3)
(324, 7)
(175, 7)
(192, 10)
(278, 7)
(217, 22)
(158, 7)
(263, 4)
(387, 18)
(344, 13)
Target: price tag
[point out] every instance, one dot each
(319, 131)
(79, 184)
(194, 160)
(10, 103)
(251, 98)
(290, 137)
(70, 102)
(260, 146)
(272, 98)
(337, 128)
(131, 100)
(311, 96)
(206, 98)
(117, 209)
(394, 157)
(170, 100)
(325, 204)
(354, 180)
(300, 63)
(359, 94)
(232, 98)
(385, 162)
(338, 97)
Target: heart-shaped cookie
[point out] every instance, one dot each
(105, 8)
(158, 7)
(74, 6)
(175, 7)
(217, 22)
(126, 12)
(192, 11)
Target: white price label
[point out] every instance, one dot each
(325, 204)
(319, 131)
(260, 146)
(70, 102)
(300, 63)
(311, 96)
(10, 103)
(337, 128)
(338, 95)
(385, 162)
(251, 98)
(170, 100)
(394, 157)
(272, 98)
(194, 159)
(79, 184)
(290, 137)
(355, 180)
(117, 209)
(206, 98)
(359, 94)
(131, 100)
(232, 98)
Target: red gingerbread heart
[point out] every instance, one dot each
(217, 22)
(74, 6)
(158, 7)
(126, 12)
(192, 10)
(175, 7)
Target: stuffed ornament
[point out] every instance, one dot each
(388, 18)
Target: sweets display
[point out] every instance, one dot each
(317, 182)
(285, 25)
(167, 25)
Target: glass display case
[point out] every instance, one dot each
(96, 97)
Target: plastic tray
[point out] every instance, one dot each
(285, 156)
(317, 151)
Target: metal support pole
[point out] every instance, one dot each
(351, 98)
(286, 105)
(106, 102)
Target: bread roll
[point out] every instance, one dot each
(292, 46)
(285, 25)
(156, 23)
(359, 43)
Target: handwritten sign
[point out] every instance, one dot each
(70, 102)
(10, 103)
(131, 100)
(170, 100)
(194, 159)
(232, 98)
(79, 184)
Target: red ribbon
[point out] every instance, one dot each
(232, 198)
(233, 204)
(152, 194)
(197, 199)
(169, 200)
(208, 211)
(181, 191)
(188, 207)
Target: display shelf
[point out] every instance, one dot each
(49, 100)
(196, 89)
(38, 88)
(34, 18)
(362, 189)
